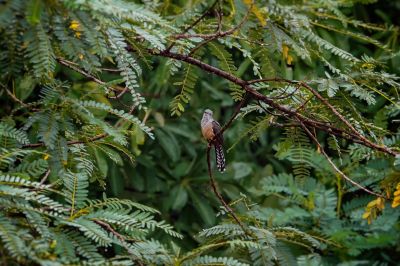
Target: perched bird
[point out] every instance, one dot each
(210, 130)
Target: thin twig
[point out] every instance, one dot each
(46, 175)
(219, 14)
(303, 104)
(237, 110)
(282, 94)
(110, 70)
(15, 97)
(109, 228)
(343, 175)
(23, 105)
(72, 142)
(266, 110)
(75, 67)
(120, 237)
(218, 194)
(120, 94)
(194, 23)
(121, 90)
(200, 18)
(218, 34)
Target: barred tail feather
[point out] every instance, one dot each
(220, 157)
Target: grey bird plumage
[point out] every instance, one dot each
(207, 117)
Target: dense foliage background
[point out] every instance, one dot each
(101, 157)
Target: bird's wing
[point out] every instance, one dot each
(217, 128)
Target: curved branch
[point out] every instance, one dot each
(334, 111)
(343, 175)
(352, 135)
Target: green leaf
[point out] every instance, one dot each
(169, 145)
(34, 11)
(332, 88)
(397, 161)
(101, 162)
(203, 208)
(181, 196)
(25, 87)
(241, 170)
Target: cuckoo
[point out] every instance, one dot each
(211, 132)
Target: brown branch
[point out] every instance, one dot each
(119, 236)
(109, 228)
(363, 139)
(325, 126)
(238, 107)
(218, 34)
(75, 67)
(46, 175)
(195, 22)
(120, 94)
(121, 90)
(200, 18)
(72, 142)
(213, 183)
(110, 70)
(15, 97)
(343, 175)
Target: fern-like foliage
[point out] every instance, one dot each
(259, 244)
(119, 113)
(74, 48)
(130, 70)
(209, 260)
(226, 63)
(94, 222)
(46, 170)
(296, 148)
(83, 83)
(186, 90)
(40, 53)
(11, 136)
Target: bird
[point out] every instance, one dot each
(211, 131)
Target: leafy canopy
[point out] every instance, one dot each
(100, 148)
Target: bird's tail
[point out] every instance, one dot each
(220, 157)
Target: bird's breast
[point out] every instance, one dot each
(208, 132)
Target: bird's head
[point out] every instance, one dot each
(208, 112)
